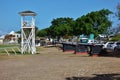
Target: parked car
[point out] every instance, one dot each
(117, 48)
(110, 46)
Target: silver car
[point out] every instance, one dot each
(117, 49)
(110, 46)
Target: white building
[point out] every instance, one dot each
(2, 39)
(12, 37)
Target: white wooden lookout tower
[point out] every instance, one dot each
(28, 32)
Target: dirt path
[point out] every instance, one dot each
(53, 64)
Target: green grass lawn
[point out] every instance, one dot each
(12, 49)
(6, 49)
(8, 45)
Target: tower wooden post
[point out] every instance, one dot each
(28, 32)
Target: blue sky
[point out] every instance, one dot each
(48, 10)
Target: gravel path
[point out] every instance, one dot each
(53, 64)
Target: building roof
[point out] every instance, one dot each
(12, 32)
(27, 13)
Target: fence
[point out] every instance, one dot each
(10, 50)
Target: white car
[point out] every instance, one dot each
(109, 46)
(117, 49)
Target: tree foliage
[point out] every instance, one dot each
(61, 26)
(118, 11)
(95, 22)
(42, 33)
(116, 38)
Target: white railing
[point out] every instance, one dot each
(8, 50)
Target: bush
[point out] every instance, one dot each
(116, 37)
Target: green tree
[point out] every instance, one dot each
(118, 11)
(62, 26)
(36, 31)
(95, 22)
(28, 31)
(42, 33)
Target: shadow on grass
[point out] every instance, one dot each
(97, 77)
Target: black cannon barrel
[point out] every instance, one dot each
(80, 48)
